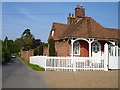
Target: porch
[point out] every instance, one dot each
(80, 63)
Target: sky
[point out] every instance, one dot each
(39, 16)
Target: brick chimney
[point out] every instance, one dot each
(79, 12)
(70, 20)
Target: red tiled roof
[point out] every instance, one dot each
(59, 29)
(89, 28)
(86, 27)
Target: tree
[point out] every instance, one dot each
(38, 50)
(11, 46)
(52, 51)
(17, 44)
(6, 55)
(27, 40)
(36, 42)
(5, 42)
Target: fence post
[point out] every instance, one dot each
(106, 57)
(45, 62)
(74, 64)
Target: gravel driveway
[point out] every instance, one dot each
(81, 79)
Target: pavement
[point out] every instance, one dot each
(82, 79)
(17, 75)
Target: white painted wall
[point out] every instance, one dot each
(38, 60)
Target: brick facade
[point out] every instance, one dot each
(84, 49)
(80, 26)
(45, 51)
(62, 48)
(26, 54)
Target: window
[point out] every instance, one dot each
(76, 48)
(96, 47)
(53, 33)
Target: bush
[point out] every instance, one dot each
(35, 52)
(6, 56)
(38, 50)
(52, 51)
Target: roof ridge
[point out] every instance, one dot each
(58, 23)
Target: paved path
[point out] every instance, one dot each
(81, 79)
(18, 75)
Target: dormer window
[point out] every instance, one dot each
(52, 32)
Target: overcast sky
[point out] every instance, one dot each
(39, 16)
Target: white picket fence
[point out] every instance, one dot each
(73, 63)
(110, 60)
(68, 63)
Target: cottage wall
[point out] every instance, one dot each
(62, 48)
(45, 51)
(84, 49)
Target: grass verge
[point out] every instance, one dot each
(34, 67)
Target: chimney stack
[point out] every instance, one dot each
(70, 19)
(79, 12)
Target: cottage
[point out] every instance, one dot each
(82, 36)
(82, 44)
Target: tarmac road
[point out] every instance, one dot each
(17, 75)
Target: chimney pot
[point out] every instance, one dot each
(69, 15)
(72, 15)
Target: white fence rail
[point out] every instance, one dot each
(67, 63)
(73, 63)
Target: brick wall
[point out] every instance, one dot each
(62, 48)
(84, 49)
(45, 51)
(26, 54)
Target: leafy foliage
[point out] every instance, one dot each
(27, 40)
(38, 50)
(34, 67)
(6, 55)
(52, 51)
(17, 45)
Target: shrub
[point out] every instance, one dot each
(52, 51)
(38, 50)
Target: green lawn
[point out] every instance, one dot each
(34, 67)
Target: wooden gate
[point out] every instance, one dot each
(114, 57)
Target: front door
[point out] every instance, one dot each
(96, 52)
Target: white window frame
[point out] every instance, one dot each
(76, 48)
(95, 47)
(52, 32)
